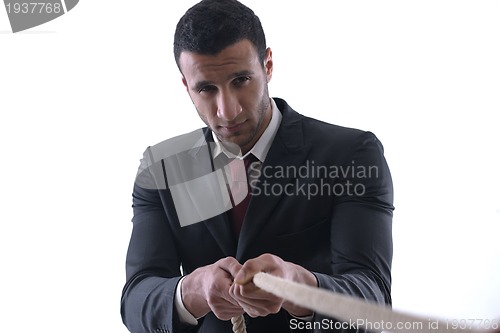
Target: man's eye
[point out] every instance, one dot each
(241, 80)
(207, 89)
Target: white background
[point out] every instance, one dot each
(83, 95)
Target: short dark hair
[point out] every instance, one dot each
(212, 25)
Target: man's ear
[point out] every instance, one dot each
(268, 64)
(184, 82)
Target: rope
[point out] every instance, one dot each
(239, 324)
(345, 308)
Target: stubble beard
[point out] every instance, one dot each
(262, 108)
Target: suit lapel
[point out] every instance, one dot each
(288, 149)
(218, 226)
(220, 230)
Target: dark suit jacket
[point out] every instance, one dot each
(333, 217)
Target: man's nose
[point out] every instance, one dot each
(228, 107)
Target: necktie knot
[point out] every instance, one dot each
(249, 160)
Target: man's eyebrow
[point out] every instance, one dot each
(241, 73)
(199, 85)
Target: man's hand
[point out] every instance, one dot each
(207, 289)
(258, 303)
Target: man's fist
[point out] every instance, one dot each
(258, 303)
(207, 289)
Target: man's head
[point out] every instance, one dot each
(218, 48)
(212, 25)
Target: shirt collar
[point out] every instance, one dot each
(262, 146)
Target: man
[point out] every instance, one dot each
(319, 213)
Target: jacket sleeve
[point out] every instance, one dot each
(361, 228)
(152, 263)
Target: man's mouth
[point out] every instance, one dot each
(232, 128)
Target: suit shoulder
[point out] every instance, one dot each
(316, 129)
(177, 144)
(323, 134)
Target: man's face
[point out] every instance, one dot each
(229, 91)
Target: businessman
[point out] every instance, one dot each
(315, 206)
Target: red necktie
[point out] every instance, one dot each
(238, 212)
